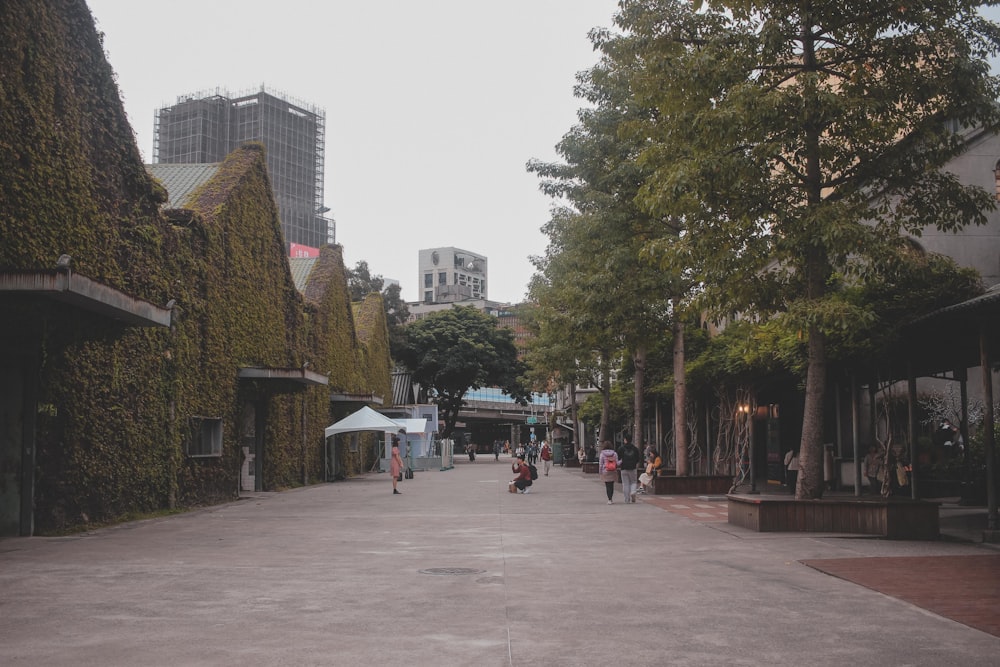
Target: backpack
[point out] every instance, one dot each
(611, 465)
(534, 471)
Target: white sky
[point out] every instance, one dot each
(433, 107)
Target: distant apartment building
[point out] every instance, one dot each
(450, 275)
(205, 127)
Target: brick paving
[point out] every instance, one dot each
(963, 588)
(704, 511)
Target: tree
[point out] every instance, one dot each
(800, 140)
(361, 283)
(452, 351)
(596, 294)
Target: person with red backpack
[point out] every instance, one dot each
(608, 465)
(546, 454)
(521, 483)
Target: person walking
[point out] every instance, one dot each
(629, 456)
(608, 469)
(395, 465)
(546, 454)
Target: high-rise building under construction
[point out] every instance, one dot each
(205, 127)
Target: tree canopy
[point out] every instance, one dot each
(361, 283)
(800, 141)
(452, 351)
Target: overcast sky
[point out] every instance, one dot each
(433, 107)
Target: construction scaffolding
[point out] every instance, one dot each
(205, 127)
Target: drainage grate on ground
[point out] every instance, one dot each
(450, 571)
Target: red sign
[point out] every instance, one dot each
(295, 250)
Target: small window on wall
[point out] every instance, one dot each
(206, 437)
(996, 177)
(354, 442)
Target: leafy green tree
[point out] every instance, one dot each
(799, 140)
(599, 299)
(452, 351)
(361, 283)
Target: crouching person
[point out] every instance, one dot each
(522, 483)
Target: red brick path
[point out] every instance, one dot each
(963, 588)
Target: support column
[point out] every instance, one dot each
(991, 534)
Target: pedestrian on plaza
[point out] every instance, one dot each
(496, 450)
(608, 469)
(546, 454)
(875, 469)
(629, 456)
(395, 465)
(653, 464)
(522, 483)
(791, 469)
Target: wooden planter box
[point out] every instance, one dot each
(590, 468)
(900, 519)
(692, 485)
(571, 462)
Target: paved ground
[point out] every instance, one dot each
(456, 571)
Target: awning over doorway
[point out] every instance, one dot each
(65, 286)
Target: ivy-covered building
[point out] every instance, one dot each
(154, 351)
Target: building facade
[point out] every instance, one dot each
(206, 127)
(449, 275)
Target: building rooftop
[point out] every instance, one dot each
(181, 180)
(301, 268)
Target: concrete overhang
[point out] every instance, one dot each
(345, 397)
(298, 376)
(65, 286)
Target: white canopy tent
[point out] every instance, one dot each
(365, 419)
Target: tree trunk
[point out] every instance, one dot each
(810, 482)
(605, 398)
(639, 359)
(680, 400)
(816, 270)
(578, 440)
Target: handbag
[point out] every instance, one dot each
(399, 477)
(409, 473)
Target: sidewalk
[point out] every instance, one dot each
(456, 571)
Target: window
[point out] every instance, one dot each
(428, 297)
(206, 437)
(428, 280)
(442, 278)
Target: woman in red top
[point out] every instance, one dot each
(523, 479)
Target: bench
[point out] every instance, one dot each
(897, 519)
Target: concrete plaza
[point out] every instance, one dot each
(457, 571)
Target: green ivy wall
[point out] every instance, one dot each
(115, 403)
